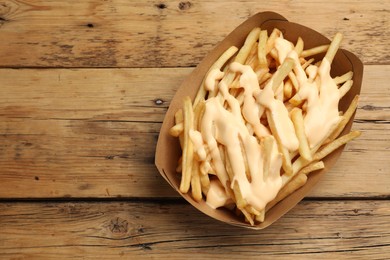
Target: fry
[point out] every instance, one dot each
(346, 117)
(196, 190)
(287, 90)
(281, 73)
(314, 51)
(307, 63)
(297, 119)
(249, 41)
(299, 46)
(343, 78)
(333, 47)
(205, 183)
(176, 130)
(330, 147)
(297, 182)
(345, 87)
(261, 49)
(271, 40)
(268, 142)
(312, 167)
(179, 116)
(260, 218)
(178, 120)
(188, 154)
(283, 150)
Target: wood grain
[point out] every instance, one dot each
(324, 230)
(92, 133)
(119, 33)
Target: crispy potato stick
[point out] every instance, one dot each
(217, 65)
(301, 162)
(245, 49)
(287, 89)
(205, 183)
(314, 51)
(271, 40)
(346, 117)
(252, 210)
(274, 54)
(294, 80)
(196, 180)
(312, 167)
(297, 119)
(333, 47)
(176, 130)
(296, 182)
(299, 46)
(260, 218)
(307, 63)
(268, 142)
(296, 100)
(343, 78)
(196, 190)
(188, 153)
(240, 201)
(248, 217)
(261, 49)
(345, 88)
(266, 77)
(179, 116)
(251, 60)
(330, 147)
(247, 172)
(281, 73)
(198, 114)
(283, 150)
(178, 120)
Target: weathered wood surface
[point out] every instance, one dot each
(119, 33)
(133, 230)
(80, 134)
(92, 133)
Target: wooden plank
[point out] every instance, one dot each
(169, 33)
(92, 133)
(320, 229)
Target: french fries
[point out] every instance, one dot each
(237, 133)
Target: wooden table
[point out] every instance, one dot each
(84, 86)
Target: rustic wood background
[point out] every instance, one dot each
(84, 86)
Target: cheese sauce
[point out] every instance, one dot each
(317, 87)
(239, 126)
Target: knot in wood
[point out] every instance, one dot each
(118, 225)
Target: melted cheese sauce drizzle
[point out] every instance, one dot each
(320, 92)
(227, 127)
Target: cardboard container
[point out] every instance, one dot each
(168, 149)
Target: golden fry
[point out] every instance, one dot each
(333, 47)
(176, 130)
(261, 50)
(345, 87)
(287, 167)
(315, 166)
(188, 154)
(297, 119)
(345, 119)
(296, 182)
(343, 78)
(196, 189)
(314, 51)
